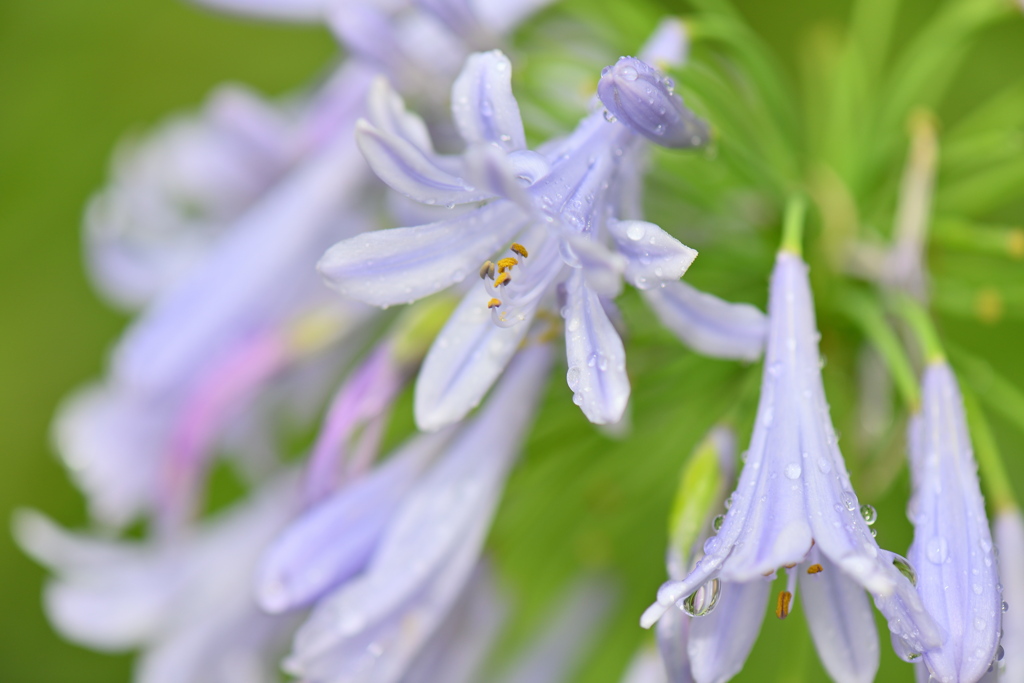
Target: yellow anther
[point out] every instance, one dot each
(506, 263)
(519, 249)
(493, 303)
(814, 569)
(487, 270)
(782, 605)
(502, 279)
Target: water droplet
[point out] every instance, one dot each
(635, 231)
(573, 325)
(849, 501)
(505, 138)
(869, 514)
(577, 399)
(711, 545)
(793, 470)
(775, 369)
(937, 550)
(980, 624)
(659, 129)
(1005, 606)
(913, 656)
(629, 73)
(976, 587)
(700, 602)
(609, 117)
(572, 378)
(717, 522)
(906, 569)
(1000, 653)
(874, 532)
(824, 465)
(728, 504)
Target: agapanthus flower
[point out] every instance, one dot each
(371, 627)
(1009, 533)
(957, 573)
(185, 602)
(549, 220)
(794, 507)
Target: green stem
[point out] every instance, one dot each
(865, 312)
(921, 324)
(793, 226)
(990, 463)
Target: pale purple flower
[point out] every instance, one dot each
(957, 575)
(794, 507)
(647, 667)
(644, 99)
(555, 221)
(185, 602)
(371, 628)
(1009, 532)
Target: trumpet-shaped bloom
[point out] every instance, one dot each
(794, 506)
(957, 575)
(549, 221)
(370, 628)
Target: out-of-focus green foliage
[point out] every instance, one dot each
(806, 96)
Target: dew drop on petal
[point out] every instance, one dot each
(728, 504)
(869, 514)
(609, 117)
(635, 231)
(716, 523)
(1005, 606)
(629, 73)
(700, 602)
(905, 568)
(1000, 652)
(849, 501)
(793, 470)
(937, 550)
(572, 378)
(824, 466)
(980, 624)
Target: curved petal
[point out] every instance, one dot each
(952, 550)
(841, 622)
(386, 111)
(596, 357)
(654, 256)
(332, 541)
(707, 324)
(464, 361)
(401, 265)
(483, 106)
(720, 642)
(410, 171)
(289, 10)
(673, 634)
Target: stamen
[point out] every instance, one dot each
(487, 270)
(519, 249)
(782, 605)
(789, 566)
(493, 303)
(506, 263)
(502, 279)
(814, 569)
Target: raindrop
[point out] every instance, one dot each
(793, 470)
(609, 117)
(629, 73)
(874, 532)
(572, 377)
(869, 514)
(573, 325)
(775, 369)
(906, 569)
(849, 501)
(728, 504)
(577, 399)
(913, 656)
(976, 588)
(1005, 606)
(937, 550)
(824, 465)
(700, 602)
(716, 523)
(1000, 652)
(980, 624)
(635, 231)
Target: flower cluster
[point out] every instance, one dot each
(359, 555)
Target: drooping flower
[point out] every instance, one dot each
(794, 507)
(555, 211)
(371, 627)
(957, 573)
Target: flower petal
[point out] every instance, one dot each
(707, 324)
(401, 265)
(289, 10)
(1009, 530)
(483, 106)
(596, 357)
(721, 641)
(465, 359)
(335, 539)
(840, 620)
(673, 634)
(952, 551)
(654, 255)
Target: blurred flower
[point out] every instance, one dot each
(370, 628)
(562, 204)
(186, 602)
(794, 507)
(957, 575)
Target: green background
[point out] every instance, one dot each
(76, 76)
